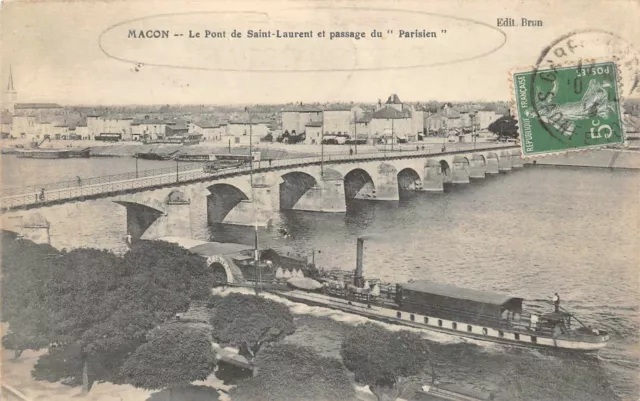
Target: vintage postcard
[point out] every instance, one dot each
(320, 200)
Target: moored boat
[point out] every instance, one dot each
(43, 153)
(155, 155)
(481, 315)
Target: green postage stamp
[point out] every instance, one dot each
(565, 108)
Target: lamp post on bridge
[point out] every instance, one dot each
(136, 157)
(256, 258)
(322, 147)
(355, 130)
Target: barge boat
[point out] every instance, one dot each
(53, 153)
(480, 315)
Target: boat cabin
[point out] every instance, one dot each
(454, 303)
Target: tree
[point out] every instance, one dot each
(249, 321)
(290, 372)
(505, 126)
(26, 274)
(175, 355)
(96, 302)
(382, 359)
(156, 280)
(79, 298)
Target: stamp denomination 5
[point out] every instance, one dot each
(566, 108)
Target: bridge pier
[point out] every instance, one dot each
(327, 195)
(477, 166)
(460, 170)
(505, 161)
(492, 163)
(151, 219)
(385, 180)
(260, 209)
(36, 228)
(178, 219)
(516, 158)
(433, 178)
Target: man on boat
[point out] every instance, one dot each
(556, 302)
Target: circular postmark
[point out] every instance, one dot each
(574, 104)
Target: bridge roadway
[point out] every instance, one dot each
(109, 186)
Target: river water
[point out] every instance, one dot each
(530, 233)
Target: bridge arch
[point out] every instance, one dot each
(220, 274)
(294, 185)
(409, 180)
(446, 172)
(492, 163)
(139, 217)
(358, 183)
(221, 200)
(478, 166)
(461, 169)
(479, 158)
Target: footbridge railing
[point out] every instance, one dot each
(35, 196)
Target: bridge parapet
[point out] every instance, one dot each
(102, 187)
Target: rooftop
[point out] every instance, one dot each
(253, 122)
(388, 112)
(150, 121)
(450, 291)
(206, 124)
(393, 99)
(345, 107)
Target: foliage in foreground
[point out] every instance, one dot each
(382, 359)
(93, 302)
(287, 372)
(249, 321)
(176, 356)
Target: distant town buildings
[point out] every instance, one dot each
(242, 131)
(208, 130)
(390, 122)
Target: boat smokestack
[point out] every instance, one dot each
(358, 279)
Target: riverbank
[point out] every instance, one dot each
(628, 159)
(268, 150)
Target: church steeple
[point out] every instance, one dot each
(10, 96)
(10, 87)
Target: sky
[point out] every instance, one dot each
(81, 52)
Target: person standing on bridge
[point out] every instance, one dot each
(79, 180)
(41, 194)
(556, 302)
(350, 151)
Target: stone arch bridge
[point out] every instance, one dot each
(194, 198)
